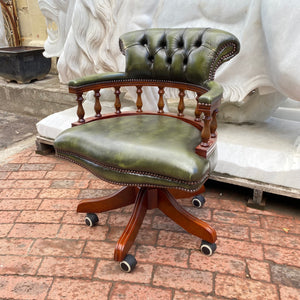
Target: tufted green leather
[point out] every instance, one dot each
(187, 55)
(142, 150)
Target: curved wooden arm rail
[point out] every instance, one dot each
(205, 113)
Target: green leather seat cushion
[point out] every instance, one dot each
(143, 150)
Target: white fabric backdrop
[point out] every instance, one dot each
(3, 41)
(86, 40)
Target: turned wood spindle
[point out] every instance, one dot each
(214, 124)
(117, 100)
(197, 110)
(205, 134)
(161, 102)
(97, 106)
(181, 102)
(80, 109)
(139, 102)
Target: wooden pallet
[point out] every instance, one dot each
(258, 188)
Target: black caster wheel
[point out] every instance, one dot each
(208, 248)
(198, 201)
(91, 219)
(128, 264)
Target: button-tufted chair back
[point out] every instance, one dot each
(187, 55)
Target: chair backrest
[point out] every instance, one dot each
(184, 59)
(189, 55)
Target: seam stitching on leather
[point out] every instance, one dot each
(224, 58)
(127, 171)
(134, 184)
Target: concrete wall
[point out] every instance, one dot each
(32, 23)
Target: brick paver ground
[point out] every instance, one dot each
(46, 251)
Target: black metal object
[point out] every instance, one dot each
(23, 64)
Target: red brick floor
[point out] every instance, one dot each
(46, 251)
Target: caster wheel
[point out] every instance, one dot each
(208, 248)
(91, 219)
(198, 201)
(128, 264)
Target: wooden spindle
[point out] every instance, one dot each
(117, 100)
(197, 110)
(161, 102)
(181, 102)
(214, 124)
(97, 106)
(205, 134)
(139, 102)
(80, 109)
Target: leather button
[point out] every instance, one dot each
(169, 60)
(180, 44)
(151, 58)
(198, 43)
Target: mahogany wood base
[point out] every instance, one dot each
(144, 199)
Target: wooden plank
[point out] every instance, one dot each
(258, 188)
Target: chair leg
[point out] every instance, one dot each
(128, 237)
(121, 198)
(168, 205)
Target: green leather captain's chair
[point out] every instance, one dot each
(159, 157)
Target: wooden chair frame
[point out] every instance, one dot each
(205, 114)
(149, 198)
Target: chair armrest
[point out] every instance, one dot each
(215, 93)
(95, 78)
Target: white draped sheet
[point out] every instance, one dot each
(255, 82)
(3, 41)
